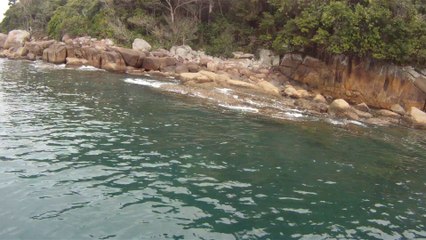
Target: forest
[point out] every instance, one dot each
(387, 30)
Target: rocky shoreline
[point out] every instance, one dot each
(270, 84)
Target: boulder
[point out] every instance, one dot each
(141, 45)
(204, 61)
(290, 91)
(362, 113)
(193, 67)
(131, 57)
(339, 106)
(387, 113)
(268, 58)
(160, 53)
(195, 77)
(268, 87)
(16, 39)
(3, 38)
(184, 52)
(418, 117)
(181, 68)
(31, 57)
(56, 53)
(156, 64)
(21, 52)
(362, 107)
(311, 106)
(113, 61)
(212, 66)
(398, 109)
(320, 98)
(37, 48)
(303, 93)
(76, 61)
(241, 55)
(93, 56)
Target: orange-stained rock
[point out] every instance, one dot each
(379, 85)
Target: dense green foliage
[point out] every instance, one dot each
(391, 30)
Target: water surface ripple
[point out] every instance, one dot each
(89, 155)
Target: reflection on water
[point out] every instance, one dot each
(86, 154)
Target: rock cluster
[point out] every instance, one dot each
(244, 71)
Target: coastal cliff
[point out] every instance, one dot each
(379, 85)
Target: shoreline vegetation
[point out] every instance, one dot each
(362, 60)
(257, 85)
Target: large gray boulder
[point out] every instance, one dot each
(141, 45)
(16, 39)
(268, 58)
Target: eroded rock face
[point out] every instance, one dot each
(377, 84)
(156, 64)
(37, 48)
(113, 61)
(16, 39)
(56, 53)
(132, 58)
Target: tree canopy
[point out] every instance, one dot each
(388, 30)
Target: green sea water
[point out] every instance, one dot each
(87, 154)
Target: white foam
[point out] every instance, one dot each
(294, 114)
(240, 108)
(145, 82)
(224, 90)
(357, 123)
(297, 210)
(89, 68)
(335, 122)
(44, 65)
